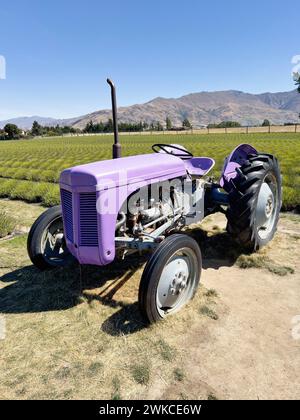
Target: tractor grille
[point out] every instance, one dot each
(67, 208)
(88, 219)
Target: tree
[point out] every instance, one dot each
(225, 124)
(266, 123)
(12, 131)
(37, 129)
(109, 126)
(89, 128)
(2, 134)
(186, 123)
(158, 126)
(168, 123)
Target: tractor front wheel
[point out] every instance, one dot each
(170, 278)
(46, 244)
(255, 202)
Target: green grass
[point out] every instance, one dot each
(7, 224)
(29, 169)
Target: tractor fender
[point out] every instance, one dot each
(234, 161)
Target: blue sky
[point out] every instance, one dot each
(59, 53)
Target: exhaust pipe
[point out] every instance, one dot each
(116, 145)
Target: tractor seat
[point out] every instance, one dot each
(199, 166)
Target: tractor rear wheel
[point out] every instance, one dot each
(170, 278)
(255, 202)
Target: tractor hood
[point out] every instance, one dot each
(128, 170)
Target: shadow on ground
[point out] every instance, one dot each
(218, 248)
(30, 291)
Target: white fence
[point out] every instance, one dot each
(238, 130)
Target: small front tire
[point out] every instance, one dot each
(170, 278)
(46, 244)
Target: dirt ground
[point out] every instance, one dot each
(77, 333)
(250, 353)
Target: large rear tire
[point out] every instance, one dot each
(46, 244)
(171, 277)
(255, 202)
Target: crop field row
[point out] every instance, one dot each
(29, 169)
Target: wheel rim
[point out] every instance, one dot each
(267, 206)
(53, 244)
(177, 281)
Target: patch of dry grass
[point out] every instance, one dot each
(141, 373)
(7, 224)
(179, 374)
(212, 397)
(77, 332)
(211, 293)
(293, 217)
(252, 261)
(167, 352)
(260, 260)
(207, 311)
(24, 214)
(116, 389)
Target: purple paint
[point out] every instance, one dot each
(85, 190)
(234, 161)
(199, 166)
(127, 170)
(122, 176)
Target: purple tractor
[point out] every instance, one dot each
(114, 208)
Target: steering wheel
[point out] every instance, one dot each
(171, 149)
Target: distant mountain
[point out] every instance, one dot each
(26, 122)
(282, 100)
(200, 108)
(209, 107)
